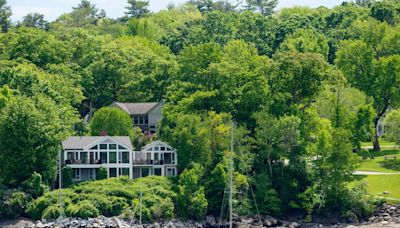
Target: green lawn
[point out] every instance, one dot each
(381, 143)
(375, 164)
(377, 184)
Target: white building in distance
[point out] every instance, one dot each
(85, 155)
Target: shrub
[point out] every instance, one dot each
(35, 186)
(51, 212)
(13, 204)
(109, 197)
(66, 177)
(391, 164)
(101, 174)
(84, 209)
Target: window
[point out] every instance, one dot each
(92, 175)
(113, 172)
(113, 157)
(121, 147)
(112, 146)
(167, 158)
(136, 119)
(103, 157)
(148, 157)
(124, 156)
(94, 148)
(171, 172)
(76, 174)
(162, 148)
(157, 171)
(70, 156)
(123, 171)
(145, 172)
(156, 148)
(84, 157)
(103, 146)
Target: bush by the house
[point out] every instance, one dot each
(109, 197)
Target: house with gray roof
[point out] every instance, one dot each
(144, 115)
(87, 154)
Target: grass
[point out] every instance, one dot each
(381, 143)
(375, 164)
(377, 184)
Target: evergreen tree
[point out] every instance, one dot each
(137, 8)
(5, 14)
(265, 7)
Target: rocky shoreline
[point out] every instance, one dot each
(384, 216)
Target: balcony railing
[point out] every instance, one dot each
(151, 162)
(83, 162)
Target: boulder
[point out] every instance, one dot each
(210, 220)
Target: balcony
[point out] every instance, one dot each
(83, 162)
(147, 162)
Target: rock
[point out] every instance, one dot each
(198, 225)
(270, 221)
(384, 222)
(210, 220)
(39, 225)
(294, 225)
(386, 192)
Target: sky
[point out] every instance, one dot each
(116, 8)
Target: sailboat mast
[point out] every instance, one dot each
(230, 178)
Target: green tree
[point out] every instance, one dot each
(265, 7)
(363, 129)
(374, 68)
(35, 20)
(296, 80)
(5, 14)
(66, 177)
(392, 126)
(83, 15)
(191, 199)
(189, 137)
(137, 8)
(111, 121)
(306, 40)
(266, 196)
(31, 129)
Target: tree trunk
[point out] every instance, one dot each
(376, 136)
(270, 165)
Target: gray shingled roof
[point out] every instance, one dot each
(80, 142)
(137, 108)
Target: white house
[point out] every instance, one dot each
(86, 154)
(144, 115)
(157, 158)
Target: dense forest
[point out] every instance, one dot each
(303, 88)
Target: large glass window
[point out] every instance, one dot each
(124, 171)
(112, 146)
(167, 158)
(76, 174)
(113, 172)
(157, 171)
(124, 156)
(113, 157)
(145, 172)
(70, 156)
(84, 157)
(103, 146)
(103, 157)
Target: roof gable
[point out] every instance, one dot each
(87, 142)
(137, 108)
